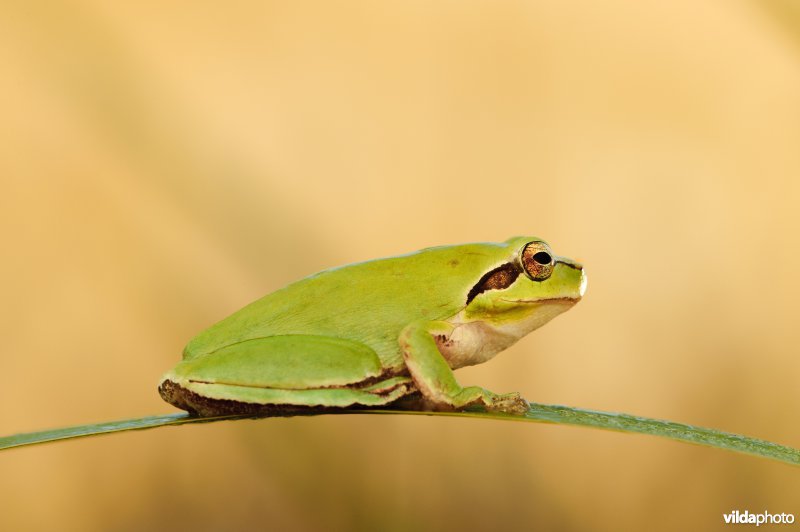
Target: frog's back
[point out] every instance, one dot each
(368, 302)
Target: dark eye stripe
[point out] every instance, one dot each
(501, 277)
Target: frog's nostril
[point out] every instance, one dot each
(543, 258)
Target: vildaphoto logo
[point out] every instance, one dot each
(765, 518)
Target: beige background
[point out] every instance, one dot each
(164, 164)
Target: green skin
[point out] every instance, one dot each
(374, 332)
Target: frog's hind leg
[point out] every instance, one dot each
(282, 374)
(222, 399)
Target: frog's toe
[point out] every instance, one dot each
(509, 403)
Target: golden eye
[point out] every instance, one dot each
(537, 260)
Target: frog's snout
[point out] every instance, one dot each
(584, 282)
(578, 269)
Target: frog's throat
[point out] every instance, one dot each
(474, 341)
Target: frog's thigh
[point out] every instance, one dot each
(302, 370)
(287, 362)
(335, 397)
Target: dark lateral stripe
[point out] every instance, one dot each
(501, 277)
(572, 265)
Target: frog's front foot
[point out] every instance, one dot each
(508, 403)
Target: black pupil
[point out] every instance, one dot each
(542, 257)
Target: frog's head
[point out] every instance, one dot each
(527, 290)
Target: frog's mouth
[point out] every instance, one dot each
(560, 299)
(563, 299)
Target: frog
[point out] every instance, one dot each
(379, 334)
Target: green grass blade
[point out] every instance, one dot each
(95, 429)
(567, 415)
(537, 413)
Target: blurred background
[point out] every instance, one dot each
(164, 164)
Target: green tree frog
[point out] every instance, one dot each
(383, 332)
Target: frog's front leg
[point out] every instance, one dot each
(434, 377)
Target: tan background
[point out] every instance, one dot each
(164, 164)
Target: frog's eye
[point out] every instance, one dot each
(537, 260)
